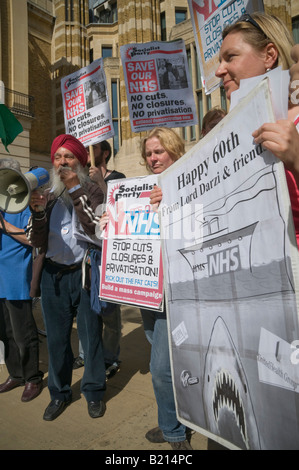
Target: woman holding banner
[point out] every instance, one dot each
(253, 46)
(160, 149)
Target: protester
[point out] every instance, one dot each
(251, 46)
(160, 149)
(17, 325)
(102, 155)
(211, 119)
(112, 321)
(62, 294)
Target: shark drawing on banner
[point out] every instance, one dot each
(227, 403)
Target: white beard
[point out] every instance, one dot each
(58, 187)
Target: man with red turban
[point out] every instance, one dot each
(72, 201)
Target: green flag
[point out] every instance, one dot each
(10, 127)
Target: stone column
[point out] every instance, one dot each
(139, 22)
(70, 50)
(281, 9)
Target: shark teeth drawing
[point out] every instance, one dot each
(226, 395)
(227, 402)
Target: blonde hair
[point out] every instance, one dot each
(170, 141)
(272, 30)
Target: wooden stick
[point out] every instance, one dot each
(91, 154)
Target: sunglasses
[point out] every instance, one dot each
(248, 19)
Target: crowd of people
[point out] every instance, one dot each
(59, 268)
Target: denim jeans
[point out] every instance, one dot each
(155, 327)
(61, 301)
(19, 334)
(111, 336)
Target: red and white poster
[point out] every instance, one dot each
(158, 85)
(131, 271)
(209, 18)
(86, 108)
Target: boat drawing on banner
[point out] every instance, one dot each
(223, 261)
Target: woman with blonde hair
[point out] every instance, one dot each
(168, 140)
(160, 148)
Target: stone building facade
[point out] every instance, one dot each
(42, 41)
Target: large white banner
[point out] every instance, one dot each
(231, 282)
(158, 85)
(209, 18)
(86, 108)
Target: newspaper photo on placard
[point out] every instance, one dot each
(209, 18)
(231, 286)
(158, 85)
(131, 270)
(86, 108)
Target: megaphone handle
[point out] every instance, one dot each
(91, 153)
(5, 230)
(2, 223)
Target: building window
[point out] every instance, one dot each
(69, 10)
(90, 55)
(295, 27)
(189, 59)
(223, 98)
(115, 116)
(209, 102)
(82, 12)
(114, 13)
(180, 15)
(202, 101)
(72, 9)
(163, 27)
(66, 10)
(199, 95)
(106, 13)
(106, 51)
(199, 92)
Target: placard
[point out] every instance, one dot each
(232, 285)
(209, 18)
(131, 271)
(158, 85)
(86, 108)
